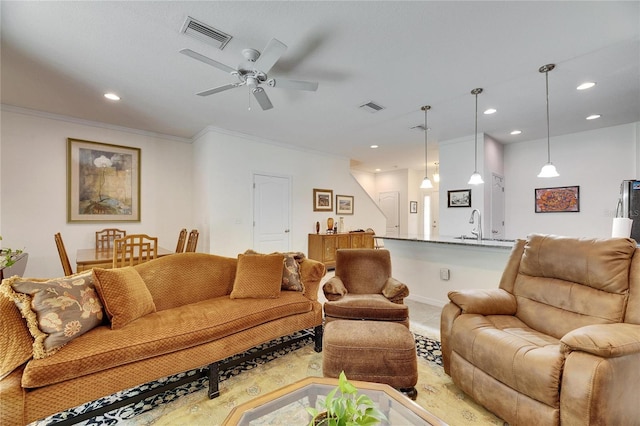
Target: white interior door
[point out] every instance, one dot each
(497, 206)
(390, 206)
(271, 207)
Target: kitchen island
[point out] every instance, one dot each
(424, 264)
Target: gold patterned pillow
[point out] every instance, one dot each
(57, 310)
(291, 279)
(258, 277)
(124, 294)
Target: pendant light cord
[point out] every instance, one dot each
(426, 127)
(475, 134)
(546, 77)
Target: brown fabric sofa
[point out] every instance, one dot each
(559, 341)
(195, 323)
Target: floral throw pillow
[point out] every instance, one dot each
(57, 310)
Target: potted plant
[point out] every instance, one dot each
(346, 409)
(8, 257)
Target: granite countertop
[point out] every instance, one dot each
(466, 241)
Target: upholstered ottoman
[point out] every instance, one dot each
(371, 351)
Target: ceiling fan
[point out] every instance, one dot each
(252, 72)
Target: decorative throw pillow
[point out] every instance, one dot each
(291, 279)
(258, 277)
(57, 310)
(124, 294)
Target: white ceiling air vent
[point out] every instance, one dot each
(203, 32)
(371, 107)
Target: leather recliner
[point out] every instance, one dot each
(559, 341)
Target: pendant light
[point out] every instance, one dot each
(548, 170)
(476, 178)
(426, 182)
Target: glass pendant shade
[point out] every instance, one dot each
(426, 183)
(548, 171)
(475, 179)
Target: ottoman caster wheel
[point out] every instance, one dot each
(411, 393)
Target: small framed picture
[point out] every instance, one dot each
(459, 198)
(561, 199)
(413, 207)
(344, 204)
(322, 200)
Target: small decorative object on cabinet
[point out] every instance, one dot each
(323, 247)
(330, 223)
(317, 227)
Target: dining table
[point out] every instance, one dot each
(88, 258)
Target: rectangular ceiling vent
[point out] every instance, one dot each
(371, 107)
(203, 32)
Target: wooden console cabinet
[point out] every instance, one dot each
(322, 247)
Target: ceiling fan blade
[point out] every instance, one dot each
(207, 60)
(270, 55)
(262, 98)
(218, 89)
(282, 83)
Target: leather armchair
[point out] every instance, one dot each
(363, 288)
(559, 341)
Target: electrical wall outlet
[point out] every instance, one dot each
(444, 274)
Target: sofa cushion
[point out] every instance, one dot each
(367, 307)
(124, 294)
(493, 342)
(291, 279)
(16, 344)
(57, 310)
(258, 276)
(160, 333)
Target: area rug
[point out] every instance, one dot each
(189, 404)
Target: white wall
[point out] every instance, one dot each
(597, 161)
(225, 164)
(33, 192)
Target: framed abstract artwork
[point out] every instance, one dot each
(560, 199)
(103, 182)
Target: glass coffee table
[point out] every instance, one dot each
(287, 405)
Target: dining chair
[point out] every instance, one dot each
(64, 259)
(182, 239)
(105, 237)
(193, 241)
(133, 249)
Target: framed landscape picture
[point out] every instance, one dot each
(322, 200)
(459, 198)
(561, 199)
(344, 204)
(103, 182)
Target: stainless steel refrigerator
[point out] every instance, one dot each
(630, 198)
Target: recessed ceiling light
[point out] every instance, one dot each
(112, 96)
(593, 116)
(373, 146)
(516, 132)
(586, 85)
(490, 111)
(377, 170)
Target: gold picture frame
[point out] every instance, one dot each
(322, 200)
(103, 182)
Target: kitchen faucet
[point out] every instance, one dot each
(479, 232)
